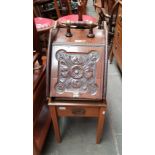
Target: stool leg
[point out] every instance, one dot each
(100, 125)
(55, 123)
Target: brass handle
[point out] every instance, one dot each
(78, 111)
(90, 34)
(68, 33)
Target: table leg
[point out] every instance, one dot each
(55, 123)
(100, 125)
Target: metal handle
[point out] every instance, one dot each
(68, 33)
(90, 34)
(78, 111)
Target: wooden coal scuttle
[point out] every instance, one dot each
(77, 73)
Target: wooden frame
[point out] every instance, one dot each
(80, 109)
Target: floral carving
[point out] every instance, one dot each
(76, 72)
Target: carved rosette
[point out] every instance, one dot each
(76, 72)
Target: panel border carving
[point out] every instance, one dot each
(76, 72)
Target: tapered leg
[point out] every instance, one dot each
(35, 149)
(100, 125)
(55, 123)
(111, 56)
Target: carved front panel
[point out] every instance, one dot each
(77, 72)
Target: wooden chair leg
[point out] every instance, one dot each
(102, 4)
(111, 56)
(35, 149)
(57, 8)
(55, 123)
(100, 125)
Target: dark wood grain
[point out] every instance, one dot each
(100, 125)
(79, 44)
(41, 115)
(55, 123)
(69, 111)
(74, 62)
(80, 109)
(86, 103)
(110, 4)
(41, 127)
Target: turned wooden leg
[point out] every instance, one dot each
(55, 123)
(100, 125)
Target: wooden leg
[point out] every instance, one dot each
(111, 56)
(85, 7)
(55, 123)
(35, 149)
(57, 8)
(102, 3)
(100, 125)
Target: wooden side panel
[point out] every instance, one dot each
(39, 97)
(117, 44)
(41, 127)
